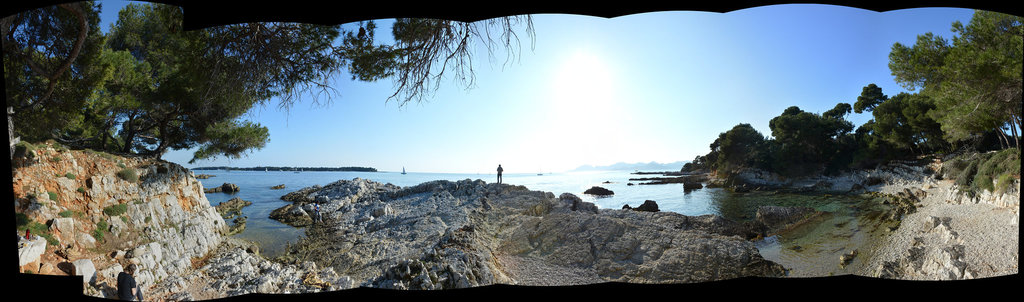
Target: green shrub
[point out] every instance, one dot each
(1003, 182)
(992, 172)
(21, 220)
(115, 210)
(69, 175)
(101, 229)
(49, 239)
(128, 174)
(81, 190)
(52, 195)
(124, 218)
(121, 165)
(65, 213)
(35, 228)
(56, 159)
(149, 218)
(98, 234)
(997, 167)
(966, 176)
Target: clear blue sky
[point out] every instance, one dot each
(639, 88)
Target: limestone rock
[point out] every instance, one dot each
(439, 236)
(225, 188)
(232, 208)
(577, 204)
(30, 250)
(86, 269)
(292, 215)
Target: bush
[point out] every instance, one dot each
(101, 228)
(115, 210)
(38, 229)
(999, 167)
(65, 213)
(69, 175)
(128, 174)
(52, 195)
(81, 190)
(993, 171)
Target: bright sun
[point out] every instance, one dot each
(584, 106)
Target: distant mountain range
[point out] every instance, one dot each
(648, 167)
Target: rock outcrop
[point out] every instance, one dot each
(232, 208)
(444, 234)
(599, 191)
(225, 188)
(647, 206)
(161, 222)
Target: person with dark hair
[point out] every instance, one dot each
(499, 173)
(127, 289)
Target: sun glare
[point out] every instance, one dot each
(584, 106)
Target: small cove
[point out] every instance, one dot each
(809, 250)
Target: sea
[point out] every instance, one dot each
(808, 251)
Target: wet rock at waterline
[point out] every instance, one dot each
(599, 191)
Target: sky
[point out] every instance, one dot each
(657, 86)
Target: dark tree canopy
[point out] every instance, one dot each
(50, 65)
(149, 86)
(974, 80)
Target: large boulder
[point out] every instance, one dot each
(86, 269)
(30, 250)
(231, 208)
(577, 204)
(292, 215)
(647, 206)
(599, 191)
(226, 188)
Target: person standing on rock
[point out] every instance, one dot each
(499, 173)
(316, 212)
(127, 289)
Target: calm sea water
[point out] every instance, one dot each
(809, 251)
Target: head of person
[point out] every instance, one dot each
(130, 269)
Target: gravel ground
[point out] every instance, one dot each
(530, 271)
(946, 240)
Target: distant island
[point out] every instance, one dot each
(329, 169)
(621, 166)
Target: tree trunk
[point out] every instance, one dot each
(1013, 130)
(83, 32)
(129, 134)
(1002, 138)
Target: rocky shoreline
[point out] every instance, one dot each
(465, 234)
(943, 233)
(443, 234)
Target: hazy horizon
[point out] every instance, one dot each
(656, 86)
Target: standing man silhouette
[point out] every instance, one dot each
(499, 173)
